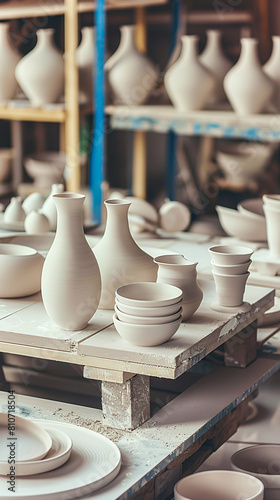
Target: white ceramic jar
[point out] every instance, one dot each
(246, 85)
(41, 72)
(188, 83)
(85, 56)
(36, 222)
(14, 211)
(9, 58)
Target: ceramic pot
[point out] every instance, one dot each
(178, 271)
(20, 271)
(188, 83)
(263, 462)
(33, 201)
(132, 75)
(85, 56)
(14, 211)
(49, 208)
(247, 87)
(41, 72)
(227, 255)
(36, 222)
(174, 216)
(272, 69)
(120, 259)
(9, 58)
(230, 288)
(70, 279)
(272, 217)
(219, 484)
(215, 61)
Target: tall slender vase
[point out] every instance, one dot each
(71, 282)
(188, 83)
(131, 75)
(9, 58)
(120, 259)
(178, 271)
(214, 59)
(41, 72)
(272, 69)
(247, 87)
(85, 56)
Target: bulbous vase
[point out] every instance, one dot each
(120, 259)
(247, 87)
(131, 75)
(41, 72)
(9, 58)
(85, 56)
(14, 211)
(189, 85)
(272, 70)
(178, 271)
(71, 282)
(49, 208)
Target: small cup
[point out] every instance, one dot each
(230, 254)
(230, 288)
(235, 269)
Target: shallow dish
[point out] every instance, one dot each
(244, 226)
(146, 335)
(32, 442)
(149, 312)
(58, 454)
(143, 320)
(230, 254)
(149, 294)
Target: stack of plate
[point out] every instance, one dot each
(53, 459)
(148, 314)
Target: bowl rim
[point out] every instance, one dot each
(27, 251)
(178, 313)
(237, 250)
(136, 325)
(144, 309)
(231, 265)
(259, 445)
(175, 294)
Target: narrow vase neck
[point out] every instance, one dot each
(45, 38)
(249, 52)
(127, 38)
(117, 218)
(190, 47)
(88, 35)
(4, 34)
(213, 43)
(69, 218)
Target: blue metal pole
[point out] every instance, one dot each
(96, 170)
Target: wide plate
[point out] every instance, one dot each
(23, 437)
(59, 454)
(94, 462)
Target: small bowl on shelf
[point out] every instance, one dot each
(149, 312)
(45, 168)
(147, 320)
(242, 225)
(227, 255)
(148, 294)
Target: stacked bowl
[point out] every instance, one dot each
(147, 314)
(230, 265)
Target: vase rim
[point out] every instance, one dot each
(117, 201)
(69, 196)
(248, 38)
(125, 26)
(189, 37)
(45, 30)
(161, 259)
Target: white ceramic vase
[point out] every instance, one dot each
(33, 201)
(14, 211)
(213, 58)
(9, 58)
(41, 72)
(247, 87)
(85, 56)
(178, 271)
(120, 259)
(272, 69)
(70, 278)
(49, 208)
(36, 222)
(188, 83)
(131, 75)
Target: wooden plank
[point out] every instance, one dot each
(106, 375)
(54, 113)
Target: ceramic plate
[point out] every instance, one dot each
(59, 453)
(94, 462)
(23, 437)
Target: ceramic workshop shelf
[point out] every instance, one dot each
(214, 123)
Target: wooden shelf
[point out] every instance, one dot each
(16, 9)
(55, 114)
(220, 124)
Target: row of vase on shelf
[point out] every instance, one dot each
(193, 82)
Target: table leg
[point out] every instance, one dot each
(126, 406)
(241, 349)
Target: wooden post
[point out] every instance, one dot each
(71, 97)
(241, 349)
(126, 406)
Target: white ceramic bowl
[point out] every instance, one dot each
(230, 254)
(263, 462)
(148, 294)
(46, 168)
(219, 485)
(252, 206)
(147, 320)
(146, 335)
(20, 270)
(231, 270)
(149, 312)
(242, 225)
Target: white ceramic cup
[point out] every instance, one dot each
(230, 254)
(219, 485)
(230, 288)
(263, 462)
(234, 269)
(272, 217)
(272, 200)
